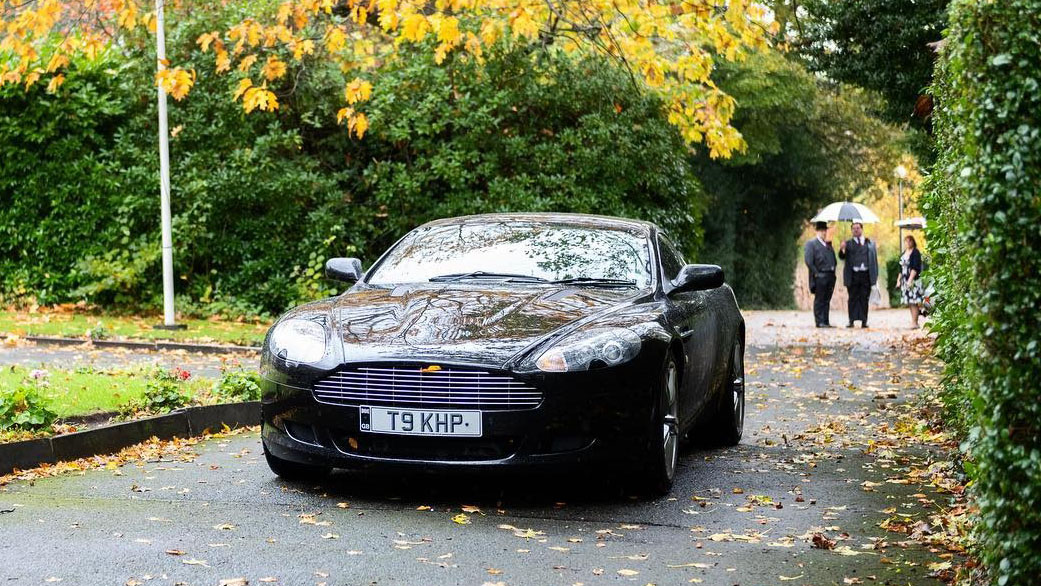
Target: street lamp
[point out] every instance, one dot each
(901, 174)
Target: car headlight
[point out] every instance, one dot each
(590, 349)
(299, 340)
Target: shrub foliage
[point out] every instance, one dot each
(261, 200)
(24, 407)
(985, 233)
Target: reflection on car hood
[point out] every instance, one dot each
(460, 323)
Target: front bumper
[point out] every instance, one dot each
(595, 417)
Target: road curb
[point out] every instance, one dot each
(112, 438)
(132, 345)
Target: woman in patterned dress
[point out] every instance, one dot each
(910, 286)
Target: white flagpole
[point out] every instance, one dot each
(164, 175)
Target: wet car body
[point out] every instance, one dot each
(475, 348)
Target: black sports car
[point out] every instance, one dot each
(508, 340)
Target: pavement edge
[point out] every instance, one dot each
(112, 438)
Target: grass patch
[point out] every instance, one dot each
(77, 324)
(86, 391)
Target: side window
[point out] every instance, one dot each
(671, 259)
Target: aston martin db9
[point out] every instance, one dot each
(508, 341)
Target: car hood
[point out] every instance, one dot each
(458, 323)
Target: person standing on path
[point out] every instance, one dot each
(860, 273)
(911, 292)
(820, 260)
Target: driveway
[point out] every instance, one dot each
(829, 454)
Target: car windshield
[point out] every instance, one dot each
(518, 252)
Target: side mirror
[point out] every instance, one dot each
(697, 278)
(347, 270)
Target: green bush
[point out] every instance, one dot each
(238, 385)
(984, 216)
(57, 193)
(164, 392)
(24, 408)
(557, 134)
(260, 201)
(893, 280)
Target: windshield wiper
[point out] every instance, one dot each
(596, 281)
(487, 275)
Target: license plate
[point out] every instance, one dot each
(432, 422)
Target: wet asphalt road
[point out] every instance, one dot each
(221, 514)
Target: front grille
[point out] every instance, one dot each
(401, 386)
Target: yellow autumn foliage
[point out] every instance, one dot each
(668, 45)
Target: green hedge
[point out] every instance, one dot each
(56, 190)
(261, 200)
(892, 281)
(564, 134)
(985, 234)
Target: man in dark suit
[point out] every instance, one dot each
(860, 273)
(820, 260)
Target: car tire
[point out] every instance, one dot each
(727, 422)
(288, 470)
(663, 443)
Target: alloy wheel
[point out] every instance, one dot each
(737, 387)
(670, 420)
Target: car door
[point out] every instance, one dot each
(689, 314)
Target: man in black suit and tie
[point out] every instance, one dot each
(860, 273)
(820, 260)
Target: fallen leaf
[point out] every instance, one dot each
(175, 552)
(233, 582)
(847, 550)
(195, 562)
(701, 565)
(638, 557)
(822, 542)
(626, 572)
(789, 578)
(461, 519)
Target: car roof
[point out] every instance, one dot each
(584, 220)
